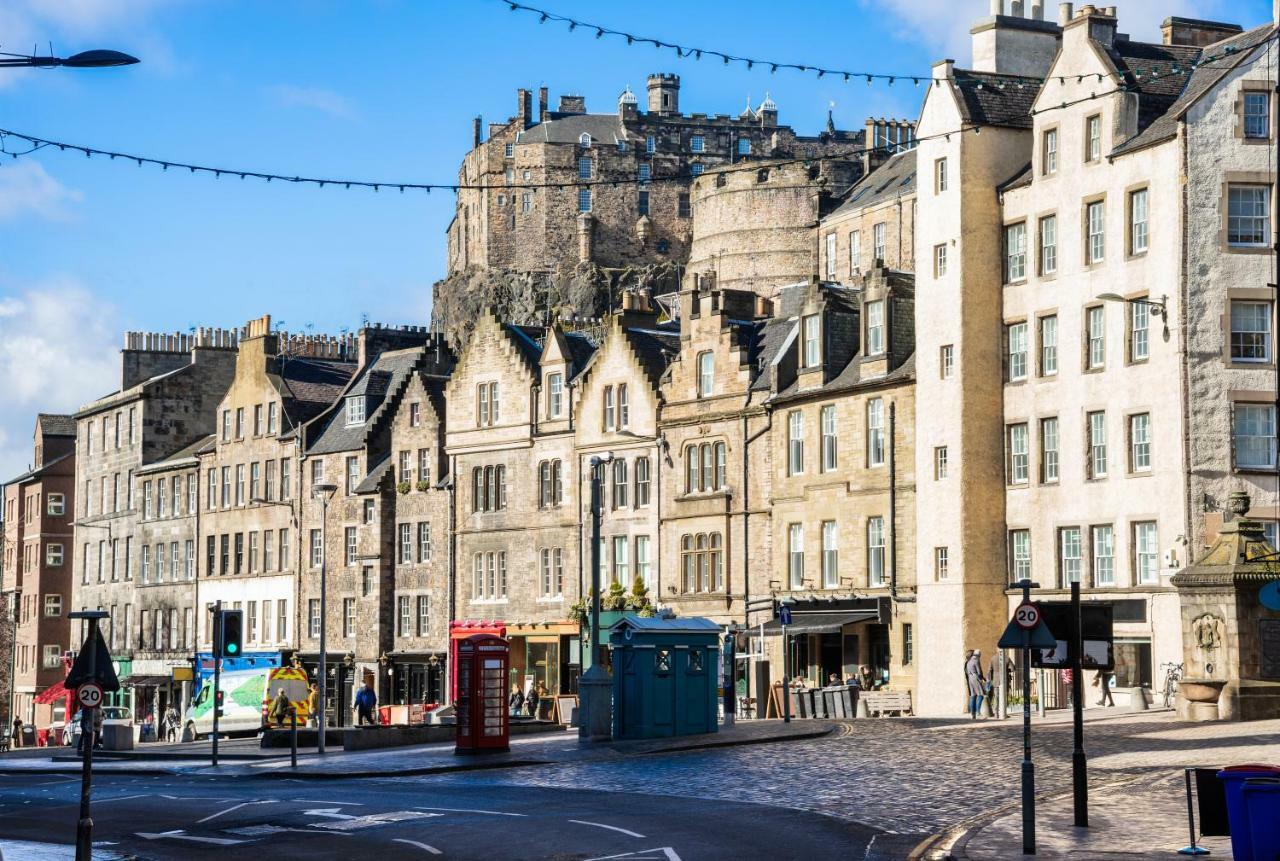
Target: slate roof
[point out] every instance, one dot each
(1156, 92)
(995, 100)
(603, 128)
(656, 347)
(581, 349)
(204, 443)
(382, 376)
(36, 473)
(894, 178)
(1020, 177)
(528, 340)
(57, 424)
(312, 385)
(371, 481)
(1194, 86)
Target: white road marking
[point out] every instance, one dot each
(610, 827)
(433, 850)
(330, 801)
(356, 823)
(663, 853)
(331, 812)
(178, 835)
(265, 830)
(233, 807)
(467, 810)
(119, 798)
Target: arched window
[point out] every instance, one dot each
(708, 474)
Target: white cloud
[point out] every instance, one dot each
(27, 189)
(944, 24)
(58, 351)
(325, 101)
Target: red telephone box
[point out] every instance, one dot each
(481, 707)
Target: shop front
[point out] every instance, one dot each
(831, 638)
(345, 676)
(152, 691)
(415, 678)
(545, 656)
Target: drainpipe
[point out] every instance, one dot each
(1184, 370)
(893, 507)
(746, 509)
(453, 576)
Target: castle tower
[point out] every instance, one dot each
(664, 94)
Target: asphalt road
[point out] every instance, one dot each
(186, 818)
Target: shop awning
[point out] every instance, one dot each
(146, 681)
(53, 693)
(821, 623)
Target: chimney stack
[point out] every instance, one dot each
(542, 104)
(524, 108)
(475, 131)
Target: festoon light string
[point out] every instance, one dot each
(36, 144)
(686, 51)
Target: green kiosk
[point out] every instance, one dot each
(665, 676)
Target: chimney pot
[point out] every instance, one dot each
(997, 7)
(1037, 10)
(1065, 13)
(1015, 8)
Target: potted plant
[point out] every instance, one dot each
(402, 487)
(424, 486)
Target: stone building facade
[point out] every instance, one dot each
(39, 508)
(874, 224)
(169, 391)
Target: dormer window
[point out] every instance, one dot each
(812, 348)
(584, 140)
(706, 374)
(355, 410)
(875, 328)
(555, 395)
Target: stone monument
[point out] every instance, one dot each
(1230, 642)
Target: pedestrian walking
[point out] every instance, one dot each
(17, 732)
(531, 701)
(280, 707)
(964, 668)
(366, 699)
(313, 705)
(868, 679)
(516, 701)
(977, 683)
(1103, 680)
(171, 724)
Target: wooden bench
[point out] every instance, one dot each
(880, 703)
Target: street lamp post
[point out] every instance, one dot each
(1159, 309)
(97, 59)
(323, 492)
(597, 720)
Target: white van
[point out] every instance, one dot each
(241, 704)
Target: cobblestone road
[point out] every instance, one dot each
(914, 776)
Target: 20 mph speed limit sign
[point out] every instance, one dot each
(89, 695)
(1027, 616)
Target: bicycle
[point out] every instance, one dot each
(1172, 675)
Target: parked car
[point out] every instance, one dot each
(111, 715)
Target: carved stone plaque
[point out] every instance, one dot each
(1269, 648)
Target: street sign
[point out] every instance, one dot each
(1270, 595)
(1027, 616)
(1095, 632)
(784, 615)
(102, 673)
(89, 695)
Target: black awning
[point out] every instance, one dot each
(820, 623)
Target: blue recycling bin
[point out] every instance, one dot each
(1238, 818)
(1262, 801)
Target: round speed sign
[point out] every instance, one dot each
(89, 695)
(1027, 616)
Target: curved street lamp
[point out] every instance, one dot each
(95, 59)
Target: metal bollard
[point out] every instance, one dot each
(293, 738)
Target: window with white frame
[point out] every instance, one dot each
(1070, 556)
(1019, 554)
(555, 395)
(878, 232)
(829, 439)
(424, 615)
(1138, 229)
(1048, 345)
(1096, 332)
(1248, 216)
(1095, 225)
(939, 175)
(313, 617)
(584, 140)
(830, 555)
(831, 256)
(706, 374)
(1146, 552)
(609, 409)
(620, 483)
(643, 481)
(1048, 450)
(52, 606)
(1140, 442)
(941, 563)
(317, 548)
(624, 407)
(1019, 455)
(1093, 138)
(57, 504)
(1102, 540)
(53, 555)
(1015, 252)
(855, 252)
(1254, 435)
(1049, 152)
(795, 442)
(946, 360)
(1257, 114)
(1139, 331)
(348, 617)
(875, 432)
(875, 328)
(939, 462)
(1097, 429)
(1016, 336)
(810, 329)
(795, 555)
(1251, 332)
(355, 410)
(875, 551)
(1049, 245)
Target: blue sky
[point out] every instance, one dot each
(379, 89)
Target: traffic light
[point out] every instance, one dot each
(218, 703)
(228, 634)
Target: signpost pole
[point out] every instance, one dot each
(217, 672)
(1079, 773)
(84, 827)
(786, 679)
(1028, 769)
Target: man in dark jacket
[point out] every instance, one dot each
(366, 699)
